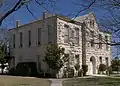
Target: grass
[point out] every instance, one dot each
(23, 81)
(93, 81)
(85, 81)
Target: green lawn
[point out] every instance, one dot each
(93, 81)
(23, 81)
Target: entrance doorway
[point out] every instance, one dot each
(92, 65)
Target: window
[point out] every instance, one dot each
(100, 60)
(71, 33)
(92, 23)
(39, 36)
(66, 33)
(77, 36)
(49, 34)
(29, 38)
(100, 41)
(21, 39)
(13, 40)
(92, 38)
(106, 61)
(106, 41)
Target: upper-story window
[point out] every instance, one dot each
(100, 41)
(13, 40)
(39, 36)
(29, 38)
(21, 39)
(50, 34)
(92, 23)
(92, 38)
(71, 33)
(77, 36)
(66, 33)
(106, 41)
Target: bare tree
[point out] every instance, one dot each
(7, 7)
(110, 21)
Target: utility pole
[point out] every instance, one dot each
(83, 43)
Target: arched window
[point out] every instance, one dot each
(100, 60)
(92, 38)
(106, 40)
(100, 41)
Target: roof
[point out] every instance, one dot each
(84, 17)
(57, 15)
(108, 32)
(78, 20)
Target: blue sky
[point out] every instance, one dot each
(64, 7)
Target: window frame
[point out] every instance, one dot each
(39, 36)
(29, 38)
(21, 39)
(66, 35)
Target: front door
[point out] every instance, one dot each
(91, 68)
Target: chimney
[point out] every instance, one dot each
(44, 15)
(17, 23)
(47, 15)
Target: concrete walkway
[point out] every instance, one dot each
(99, 75)
(56, 82)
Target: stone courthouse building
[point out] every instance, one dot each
(82, 39)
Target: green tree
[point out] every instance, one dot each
(85, 69)
(55, 57)
(102, 67)
(115, 64)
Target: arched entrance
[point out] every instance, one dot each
(92, 65)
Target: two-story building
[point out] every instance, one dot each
(82, 39)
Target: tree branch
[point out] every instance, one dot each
(86, 7)
(15, 8)
(30, 12)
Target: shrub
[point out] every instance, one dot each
(70, 72)
(102, 67)
(11, 71)
(85, 69)
(109, 69)
(80, 72)
(64, 73)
